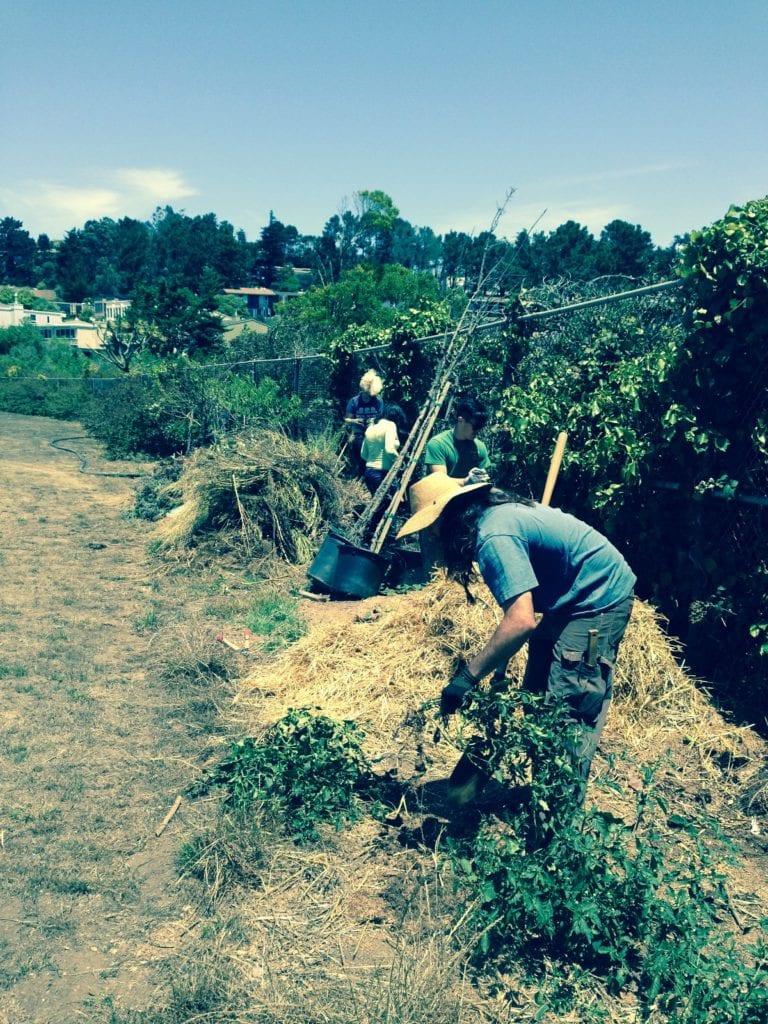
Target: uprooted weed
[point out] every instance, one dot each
(304, 771)
(640, 902)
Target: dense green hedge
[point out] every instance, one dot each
(668, 430)
(40, 377)
(61, 399)
(179, 406)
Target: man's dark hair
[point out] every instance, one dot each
(458, 529)
(473, 412)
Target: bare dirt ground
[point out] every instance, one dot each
(91, 751)
(95, 742)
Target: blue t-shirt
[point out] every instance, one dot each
(364, 407)
(570, 568)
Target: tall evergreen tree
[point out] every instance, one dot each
(17, 253)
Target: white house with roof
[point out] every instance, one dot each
(106, 309)
(51, 324)
(79, 333)
(111, 309)
(13, 314)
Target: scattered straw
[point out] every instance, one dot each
(380, 672)
(656, 699)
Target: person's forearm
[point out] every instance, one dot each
(509, 636)
(496, 652)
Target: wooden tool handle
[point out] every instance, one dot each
(554, 467)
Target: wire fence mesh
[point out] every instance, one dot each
(721, 527)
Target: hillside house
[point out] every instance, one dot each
(260, 301)
(13, 314)
(111, 309)
(105, 309)
(79, 333)
(233, 327)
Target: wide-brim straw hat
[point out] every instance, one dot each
(430, 496)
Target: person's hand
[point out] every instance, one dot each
(456, 694)
(476, 476)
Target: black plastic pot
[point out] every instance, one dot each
(323, 568)
(359, 572)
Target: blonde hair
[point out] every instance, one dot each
(371, 382)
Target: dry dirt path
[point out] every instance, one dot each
(91, 754)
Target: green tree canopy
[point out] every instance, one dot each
(17, 253)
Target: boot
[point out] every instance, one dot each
(467, 779)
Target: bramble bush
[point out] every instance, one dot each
(407, 364)
(717, 434)
(307, 769)
(639, 903)
(601, 379)
(665, 405)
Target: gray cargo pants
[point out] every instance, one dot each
(558, 667)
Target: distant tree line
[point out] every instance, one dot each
(122, 258)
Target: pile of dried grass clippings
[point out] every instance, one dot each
(656, 699)
(383, 672)
(380, 672)
(263, 484)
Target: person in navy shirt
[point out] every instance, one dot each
(364, 408)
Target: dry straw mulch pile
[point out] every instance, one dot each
(264, 485)
(381, 671)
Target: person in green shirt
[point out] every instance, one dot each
(459, 450)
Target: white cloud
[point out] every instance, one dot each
(55, 207)
(601, 177)
(156, 184)
(473, 221)
(76, 205)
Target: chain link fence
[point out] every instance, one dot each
(718, 536)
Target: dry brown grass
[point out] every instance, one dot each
(324, 944)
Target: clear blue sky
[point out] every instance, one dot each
(653, 112)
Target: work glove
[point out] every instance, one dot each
(456, 694)
(476, 476)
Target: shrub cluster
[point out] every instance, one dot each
(307, 769)
(638, 902)
(178, 406)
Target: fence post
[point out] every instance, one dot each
(296, 391)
